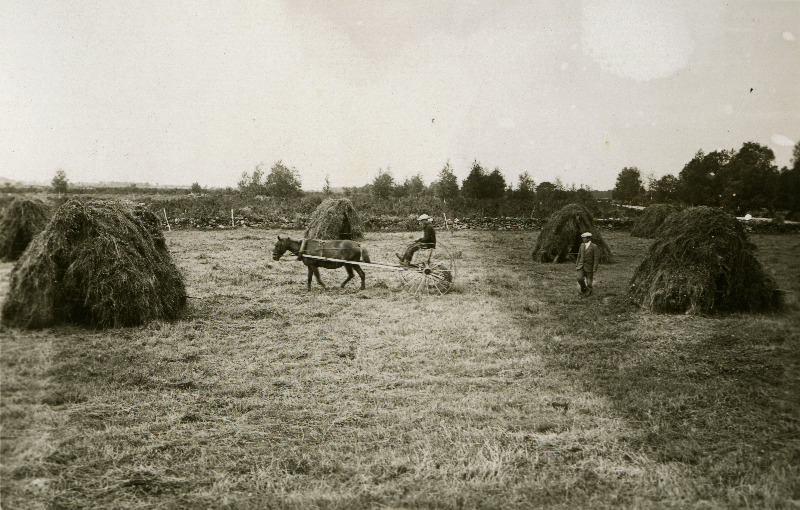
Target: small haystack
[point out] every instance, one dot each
(335, 218)
(21, 221)
(651, 219)
(702, 262)
(560, 237)
(96, 264)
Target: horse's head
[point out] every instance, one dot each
(280, 247)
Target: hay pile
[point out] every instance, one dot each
(701, 262)
(335, 218)
(649, 222)
(96, 264)
(561, 236)
(21, 221)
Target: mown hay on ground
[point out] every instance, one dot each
(96, 264)
(21, 221)
(335, 218)
(651, 219)
(560, 237)
(702, 262)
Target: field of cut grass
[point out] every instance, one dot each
(510, 392)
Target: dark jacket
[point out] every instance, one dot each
(429, 237)
(588, 259)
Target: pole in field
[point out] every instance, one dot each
(167, 220)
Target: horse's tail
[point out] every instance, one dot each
(365, 255)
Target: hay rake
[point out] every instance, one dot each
(431, 271)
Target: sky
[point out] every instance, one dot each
(178, 92)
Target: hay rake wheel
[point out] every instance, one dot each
(432, 272)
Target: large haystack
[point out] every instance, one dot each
(21, 221)
(335, 218)
(561, 236)
(96, 264)
(651, 219)
(701, 262)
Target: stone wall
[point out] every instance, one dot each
(406, 224)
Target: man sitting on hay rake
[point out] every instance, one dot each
(427, 241)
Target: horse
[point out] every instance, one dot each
(339, 249)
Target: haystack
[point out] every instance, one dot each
(96, 264)
(335, 218)
(21, 221)
(702, 262)
(561, 236)
(651, 219)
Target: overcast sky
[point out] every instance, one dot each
(178, 92)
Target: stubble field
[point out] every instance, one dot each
(510, 392)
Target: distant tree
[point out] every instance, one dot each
(650, 180)
(327, 188)
(628, 186)
(446, 186)
(664, 189)
(545, 190)
(494, 184)
(196, 188)
(252, 183)
(551, 197)
(586, 198)
(698, 182)
(474, 185)
(283, 182)
(525, 186)
(383, 185)
(748, 179)
(796, 156)
(787, 188)
(244, 180)
(414, 186)
(60, 184)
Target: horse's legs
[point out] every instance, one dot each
(361, 274)
(349, 274)
(319, 280)
(310, 276)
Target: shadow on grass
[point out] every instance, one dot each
(88, 363)
(719, 396)
(714, 394)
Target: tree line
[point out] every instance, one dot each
(743, 181)
(482, 192)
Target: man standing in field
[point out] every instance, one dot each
(586, 264)
(428, 240)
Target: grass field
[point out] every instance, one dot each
(510, 392)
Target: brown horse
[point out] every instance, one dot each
(343, 250)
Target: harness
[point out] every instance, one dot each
(321, 242)
(301, 250)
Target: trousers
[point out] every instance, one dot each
(585, 279)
